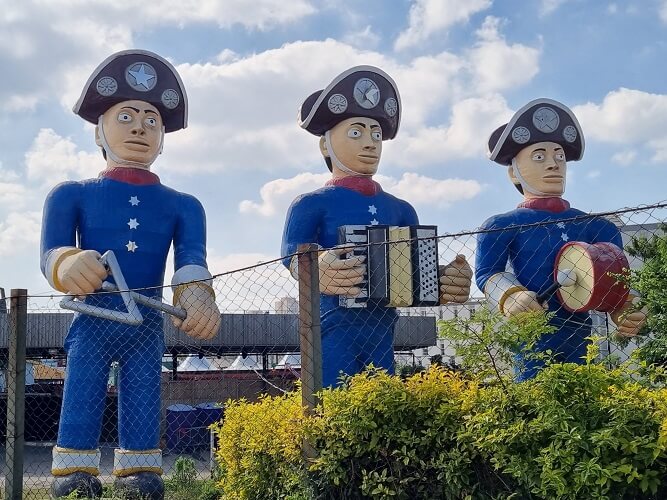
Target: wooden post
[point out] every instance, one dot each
(309, 332)
(18, 326)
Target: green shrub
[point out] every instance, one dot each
(575, 431)
(259, 449)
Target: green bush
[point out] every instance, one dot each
(575, 431)
(380, 437)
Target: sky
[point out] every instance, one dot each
(462, 69)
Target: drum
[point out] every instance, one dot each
(595, 287)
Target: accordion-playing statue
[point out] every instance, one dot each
(134, 97)
(358, 110)
(559, 258)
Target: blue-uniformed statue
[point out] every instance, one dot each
(134, 97)
(359, 109)
(535, 145)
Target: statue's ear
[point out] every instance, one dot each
(323, 147)
(98, 141)
(512, 176)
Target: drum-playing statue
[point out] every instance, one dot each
(358, 110)
(134, 97)
(550, 246)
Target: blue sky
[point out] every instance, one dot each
(462, 69)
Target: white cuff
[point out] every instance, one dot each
(190, 273)
(51, 261)
(67, 460)
(126, 462)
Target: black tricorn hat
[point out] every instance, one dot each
(135, 74)
(360, 91)
(541, 120)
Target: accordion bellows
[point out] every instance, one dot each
(401, 265)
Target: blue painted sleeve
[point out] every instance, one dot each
(301, 225)
(190, 233)
(605, 231)
(493, 249)
(410, 217)
(60, 219)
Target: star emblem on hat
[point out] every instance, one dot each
(131, 246)
(560, 225)
(134, 201)
(374, 222)
(133, 223)
(564, 236)
(144, 76)
(372, 209)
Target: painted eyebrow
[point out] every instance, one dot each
(558, 149)
(539, 149)
(130, 107)
(360, 124)
(375, 126)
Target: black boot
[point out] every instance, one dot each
(140, 486)
(83, 483)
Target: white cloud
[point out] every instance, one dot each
(256, 288)
(624, 157)
(498, 65)
(67, 39)
(471, 122)
(363, 39)
(430, 16)
(52, 159)
(549, 6)
(421, 190)
(12, 194)
(19, 230)
(277, 195)
(663, 11)
(629, 117)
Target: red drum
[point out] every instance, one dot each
(595, 288)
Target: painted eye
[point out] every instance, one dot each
(124, 117)
(150, 121)
(376, 135)
(560, 156)
(355, 133)
(538, 156)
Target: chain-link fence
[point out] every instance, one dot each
(132, 379)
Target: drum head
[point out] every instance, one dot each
(576, 257)
(596, 287)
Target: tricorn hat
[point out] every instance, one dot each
(360, 91)
(140, 75)
(541, 120)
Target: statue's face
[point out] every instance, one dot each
(133, 131)
(543, 168)
(357, 142)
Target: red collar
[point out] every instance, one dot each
(130, 175)
(363, 185)
(553, 204)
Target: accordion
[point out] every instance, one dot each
(401, 265)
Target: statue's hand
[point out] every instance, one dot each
(203, 316)
(81, 273)
(522, 301)
(340, 276)
(455, 281)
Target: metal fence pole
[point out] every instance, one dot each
(309, 326)
(18, 326)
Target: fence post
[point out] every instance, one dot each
(309, 331)
(18, 326)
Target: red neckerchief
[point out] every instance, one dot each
(553, 204)
(363, 185)
(130, 175)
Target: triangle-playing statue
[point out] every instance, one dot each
(134, 97)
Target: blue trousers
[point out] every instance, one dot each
(92, 344)
(351, 348)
